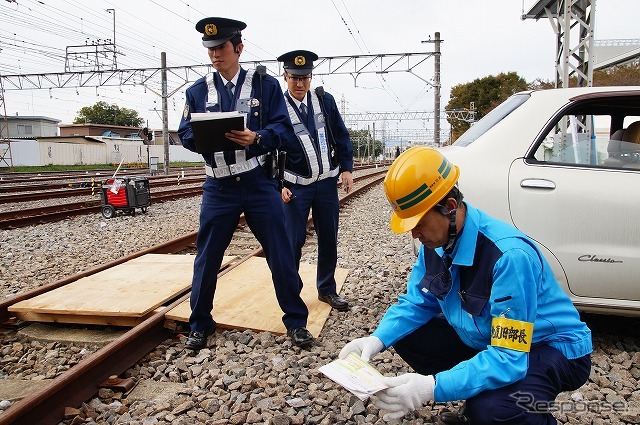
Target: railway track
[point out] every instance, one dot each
(37, 192)
(83, 380)
(51, 181)
(90, 183)
(45, 177)
(29, 216)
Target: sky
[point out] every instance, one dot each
(480, 38)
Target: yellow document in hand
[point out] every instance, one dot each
(355, 375)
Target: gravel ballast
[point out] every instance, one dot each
(256, 377)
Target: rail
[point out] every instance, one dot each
(46, 405)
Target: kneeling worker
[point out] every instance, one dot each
(483, 319)
(318, 151)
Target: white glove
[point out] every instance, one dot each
(406, 393)
(366, 347)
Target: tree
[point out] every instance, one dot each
(540, 84)
(361, 141)
(103, 113)
(488, 92)
(485, 93)
(623, 75)
(619, 75)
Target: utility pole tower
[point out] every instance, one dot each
(436, 86)
(573, 22)
(574, 57)
(93, 56)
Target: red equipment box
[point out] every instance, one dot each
(125, 194)
(119, 197)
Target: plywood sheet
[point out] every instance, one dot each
(124, 294)
(245, 299)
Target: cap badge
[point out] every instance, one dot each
(299, 60)
(210, 29)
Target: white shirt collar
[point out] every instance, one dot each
(297, 102)
(234, 80)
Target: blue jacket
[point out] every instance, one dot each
(496, 271)
(275, 119)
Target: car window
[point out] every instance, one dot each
(491, 119)
(587, 140)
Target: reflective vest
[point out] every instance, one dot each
(319, 159)
(219, 166)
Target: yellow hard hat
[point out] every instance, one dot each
(417, 180)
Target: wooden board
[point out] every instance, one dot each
(245, 299)
(123, 295)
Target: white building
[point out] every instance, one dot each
(28, 127)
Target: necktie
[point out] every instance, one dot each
(303, 113)
(229, 87)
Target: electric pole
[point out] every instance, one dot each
(165, 112)
(115, 64)
(436, 86)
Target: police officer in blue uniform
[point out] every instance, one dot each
(240, 180)
(483, 317)
(318, 152)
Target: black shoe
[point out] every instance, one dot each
(300, 337)
(455, 418)
(335, 301)
(197, 340)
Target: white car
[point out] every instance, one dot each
(563, 166)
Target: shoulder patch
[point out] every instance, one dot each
(512, 334)
(185, 113)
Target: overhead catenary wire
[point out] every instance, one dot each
(347, 26)
(382, 81)
(141, 39)
(34, 55)
(355, 26)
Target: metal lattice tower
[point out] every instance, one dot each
(152, 78)
(467, 115)
(409, 137)
(93, 56)
(149, 77)
(573, 22)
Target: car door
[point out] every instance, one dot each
(586, 213)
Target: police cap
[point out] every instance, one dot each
(298, 62)
(218, 30)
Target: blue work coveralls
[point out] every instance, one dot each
(442, 326)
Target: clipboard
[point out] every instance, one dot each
(209, 129)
